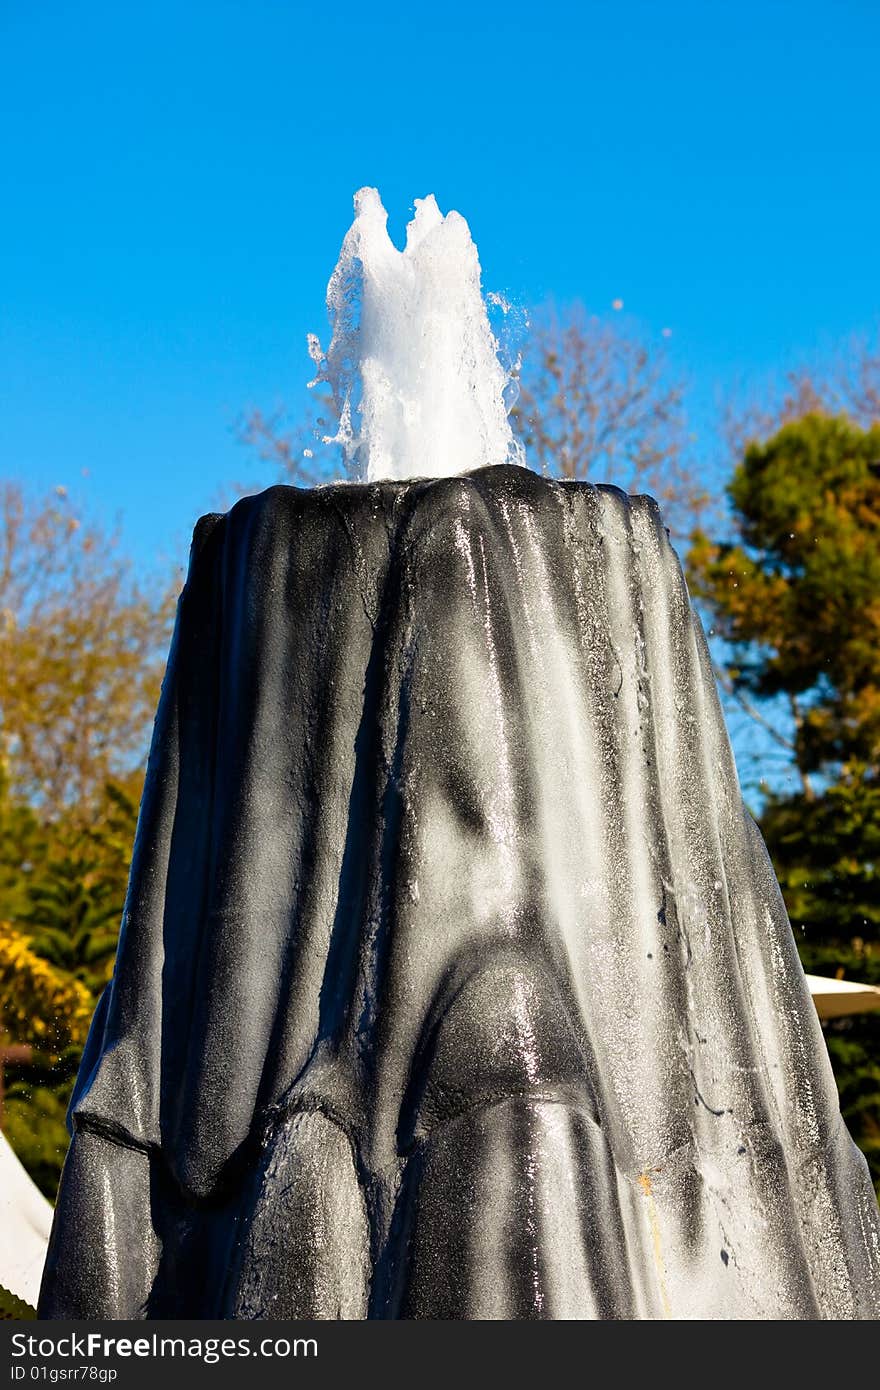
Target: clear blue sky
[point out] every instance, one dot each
(176, 179)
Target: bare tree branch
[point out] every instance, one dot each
(727, 685)
(598, 402)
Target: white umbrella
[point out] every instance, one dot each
(835, 998)
(25, 1222)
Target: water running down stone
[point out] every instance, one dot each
(454, 980)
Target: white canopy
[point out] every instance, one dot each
(834, 998)
(25, 1222)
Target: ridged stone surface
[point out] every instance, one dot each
(454, 980)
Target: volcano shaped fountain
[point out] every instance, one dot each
(454, 980)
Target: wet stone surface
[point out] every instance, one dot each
(454, 979)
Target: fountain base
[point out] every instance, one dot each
(454, 979)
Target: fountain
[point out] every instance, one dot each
(412, 364)
(454, 980)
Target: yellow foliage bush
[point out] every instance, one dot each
(39, 1004)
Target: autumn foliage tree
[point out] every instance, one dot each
(82, 646)
(82, 649)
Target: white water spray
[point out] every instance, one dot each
(413, 364)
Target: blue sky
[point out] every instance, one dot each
(177, 178)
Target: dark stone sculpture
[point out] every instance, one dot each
(454, 980)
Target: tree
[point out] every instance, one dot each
(795, 596)
(50, 1010)
(39, 1004)
(847, 384)
(73, 904)
(598, 402)
(592, 400)
(82, 648)
(62, 889)
(290, 446)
